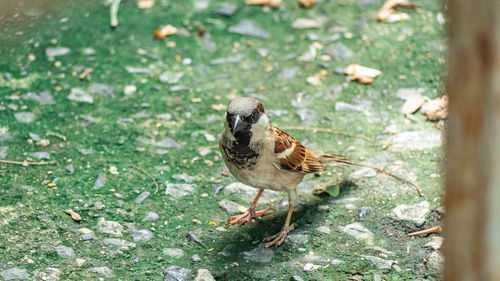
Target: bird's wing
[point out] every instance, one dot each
(293, 156)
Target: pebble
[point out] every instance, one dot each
(225, 9)
(43, 97)
(346, 107)
(173, 252)
(40, 155)
(307, 116)
(142, 197)
(184, 177)
(379, 263)
(118, 242)
(304, 23)
(324, 229)
(412, 212)
(142, 235)
(436, 261)
(204, 275)
(247, 193)
(70, 169)
(129, 90)
(64, 252)
(89, 51)
(250, 28)
(109, 227)
(417, 140)
(435, 243)
(377, 277)
(100, 181)
(196, 258)
(102, 89)
(15, 274)
(364, 212)
(296, 240)
(207, 42)
(170, 77)
(151, 216)
(167, 143)
(346, 200)
(178, 88)
(229, 206)
(296, 278)
(338, 52)
(178, 190)
(311, 267)
(200, 5)
(58, 51)
(228, 60)
(359, 232)
(24, 117)
(140, 70)
(288, 73)
(260, 254)
(103, 270)
(80, 95)
(176, 273)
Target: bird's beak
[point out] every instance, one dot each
(237, 124)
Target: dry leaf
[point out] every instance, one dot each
(361, 73)
(412, 104)
(164, 32)
(308, 4)
(74, 215)
(219, 107)
(270, 3)
(436, 109)
(388, 8)
(145, 4)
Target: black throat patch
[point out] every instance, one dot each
(239, 152)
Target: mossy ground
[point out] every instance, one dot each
(410, 55)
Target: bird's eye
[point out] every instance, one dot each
(254, 116)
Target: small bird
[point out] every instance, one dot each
(263, 156)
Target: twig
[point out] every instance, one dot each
(383, 172)
(113, 13)
(149, 175)
(26, 163)
(329, 131)
(426, 231)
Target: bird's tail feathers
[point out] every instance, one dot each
(333, 158)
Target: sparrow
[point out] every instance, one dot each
(263, 156)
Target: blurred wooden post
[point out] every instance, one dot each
(472, 224)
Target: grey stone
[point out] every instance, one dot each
(40, 155)
(176, 273)
(311, 267)
(184, 177)
(207, 42)
(359, 232)
(196, 258)
(336, 262)
(15, 274)
(4, 133)
(178, 88)
(247, 193)
(103, 270)
(109, 227)
(364, 212)
(346, 107)
(24, 117)
(297, 239)
(332, 92)
(338, 51)
(418, 140)
(178, 190)
(436, 261)
(170, 77)
(34, 136)
(228, 60)
(263, 52)
(229, 206)
(346, 200)
(309, 55)
(412, 212)
(88, 236)
(250, 28)
(57, 51)
(173, 252)
(102, 89)
(296, 278)
(200, 5)
(204, 275)
(100, 181)
(225, 9)
(140, 70)
(435, 243)
(142, 235)
(307, 116)
(167, 143)
(80, 95)
(260, 254)
(377, 277)
(43, 97)
(324, 229)
(64, 252)
(379, 263)
(164, 116)
(142, 197)
(70, 169)
(151, 216)
(288, 73)
(3, 151)
(118, 242)
(89, 51)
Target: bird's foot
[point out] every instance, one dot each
(247, 216)
(279, 238)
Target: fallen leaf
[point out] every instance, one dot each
(74, 215)
(308, 4)
(361, 73)
(270, 3)
(436, 109)
(388, 8)
(412, 104)
(145, 4)
(218, 107)
(164, 32)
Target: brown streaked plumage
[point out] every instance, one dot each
(263, 156)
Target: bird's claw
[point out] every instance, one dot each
(279, 238)
(247, 216)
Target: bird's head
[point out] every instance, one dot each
(245, 115)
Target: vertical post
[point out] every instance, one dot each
(472, 223)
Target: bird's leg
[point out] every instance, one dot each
(250, 213)
(278, 238)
